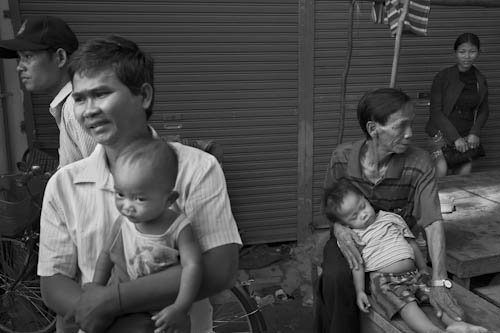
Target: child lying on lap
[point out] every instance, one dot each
(397, 269)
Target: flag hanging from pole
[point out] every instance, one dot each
(417, 19)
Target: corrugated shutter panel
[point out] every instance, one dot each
(225, 70)
(420, 59)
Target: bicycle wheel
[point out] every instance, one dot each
(21, 306)
(235, 311)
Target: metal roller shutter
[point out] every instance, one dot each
(225, 70)
(420, 59)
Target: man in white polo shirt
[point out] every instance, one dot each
(43, 45)
(113, 92)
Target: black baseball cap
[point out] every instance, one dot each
(40, 33)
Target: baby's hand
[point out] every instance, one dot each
(362, 301)
(171, 319)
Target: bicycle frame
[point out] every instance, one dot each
(21, 304)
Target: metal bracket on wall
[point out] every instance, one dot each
(172, 121)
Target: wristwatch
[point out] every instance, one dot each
(442, 283)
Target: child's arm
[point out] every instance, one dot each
(103, 268)
(359, 285)
(419, 257)
(190, 254)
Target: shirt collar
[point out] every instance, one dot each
(394, 168)
(62, 95)
(96, 168)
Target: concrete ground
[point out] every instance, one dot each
(282, 280)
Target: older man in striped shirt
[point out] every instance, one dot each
(396, 177)
(44, 45)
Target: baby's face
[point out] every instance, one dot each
(139, 198)
(356, 212)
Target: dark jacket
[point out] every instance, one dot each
(446, 89)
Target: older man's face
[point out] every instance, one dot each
(395, 135)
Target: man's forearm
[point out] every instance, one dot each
(220, 266)
(60, 293)
(158, 290)
(437, 249)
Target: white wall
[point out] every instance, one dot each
(14, 101)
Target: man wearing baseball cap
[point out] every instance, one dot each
(43, 45)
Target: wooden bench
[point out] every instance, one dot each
(490, 293)
(473, 229)
(478, 311)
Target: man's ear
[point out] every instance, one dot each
(147, 95)
(61, 57)
(371, 127)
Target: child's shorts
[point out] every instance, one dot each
(392, 291)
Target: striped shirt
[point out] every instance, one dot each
(75, 142)
(79, 210)
(408, 187)
(385, 241)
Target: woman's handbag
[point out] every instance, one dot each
(455, 158)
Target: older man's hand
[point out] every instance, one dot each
(350, 244)
(97, 307)
(442, 301)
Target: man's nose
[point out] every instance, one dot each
(408, 132)
(90, 108)
(20, 66)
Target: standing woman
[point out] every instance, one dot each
(459, 109)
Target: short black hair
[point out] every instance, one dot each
(467, 37)
(131, 65)
(378, 105)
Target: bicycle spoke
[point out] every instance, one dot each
(21, 306)
(34, 311)
(25, 311)
(236, 311)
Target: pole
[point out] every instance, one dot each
(397, 44)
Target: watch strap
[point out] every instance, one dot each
(441, 283)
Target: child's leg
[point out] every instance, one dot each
(441, 165)
(418, 321)
(461, 326)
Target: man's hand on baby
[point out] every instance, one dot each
(350, 244)
(97, 307)
(442, 301)
(363, 302)
(171, 319)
